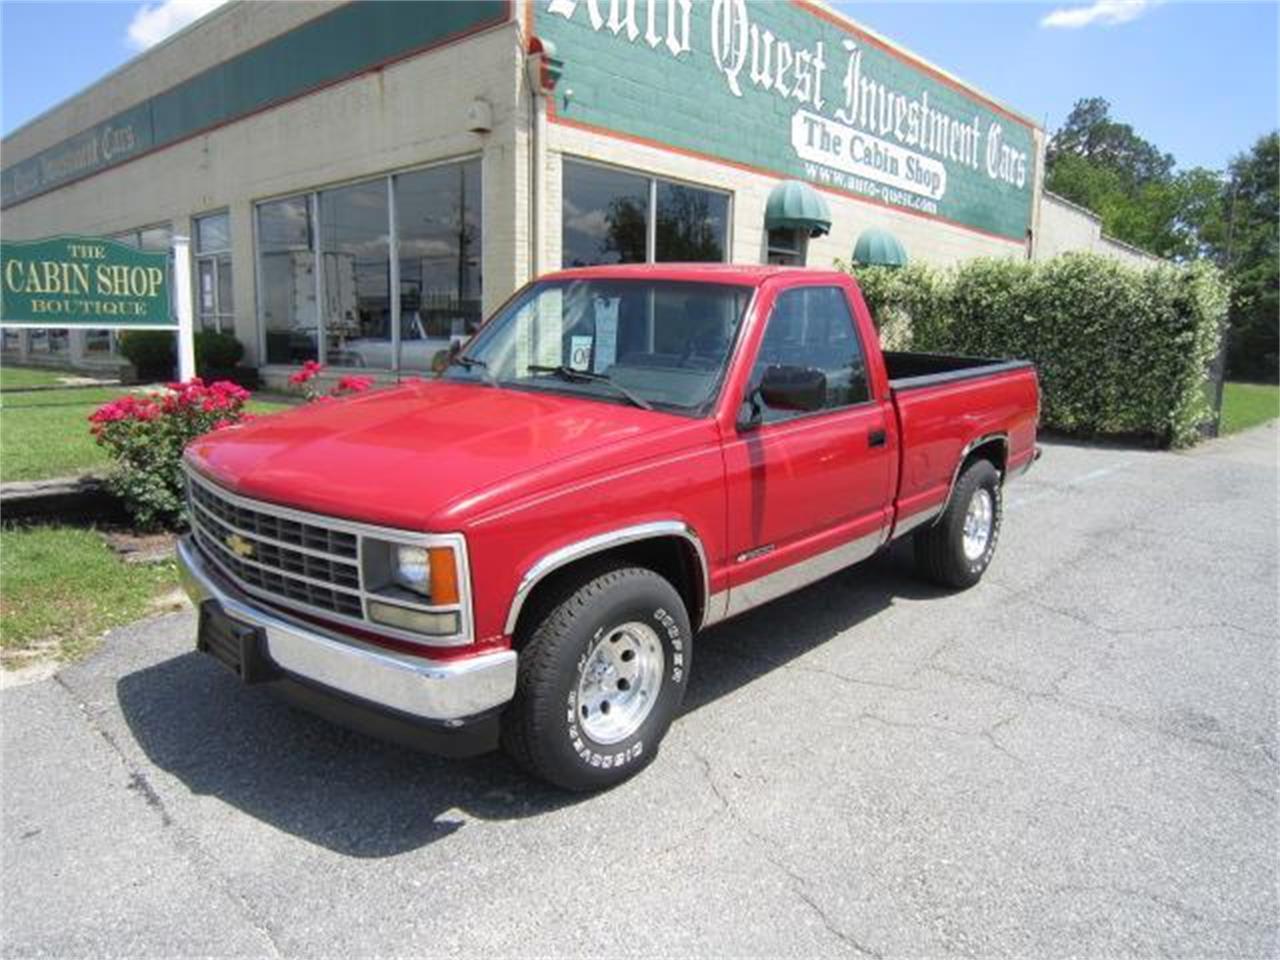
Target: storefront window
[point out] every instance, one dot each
(693, 224)
(97, 341)
(605, 217)
(287, 291)
(156, 239)
(213, 273)
(356, 251)
(608, 214)
(787, 247)
(435, 250)
(438, 233)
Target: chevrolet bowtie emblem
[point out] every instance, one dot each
(239, 546)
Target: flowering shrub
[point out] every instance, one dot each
(145, 435)
(305, 378)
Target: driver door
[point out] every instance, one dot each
(808, 490)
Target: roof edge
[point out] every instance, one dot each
(201, 22)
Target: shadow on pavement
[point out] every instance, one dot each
(365, 798)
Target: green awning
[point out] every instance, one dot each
(797, 206)
(879, 248)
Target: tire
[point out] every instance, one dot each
(943, 554)
(602, 674)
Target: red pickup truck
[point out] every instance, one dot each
(522, 550)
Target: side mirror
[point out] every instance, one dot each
(802, 389)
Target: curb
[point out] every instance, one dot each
(81, 497)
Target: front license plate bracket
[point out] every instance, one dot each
(238, 646)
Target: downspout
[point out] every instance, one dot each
(537, 152)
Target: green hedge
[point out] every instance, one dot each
(1119, 350)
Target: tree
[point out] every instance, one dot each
(626, 233)
(1249, 252)
(684, 231)
(1130, 184)
(1089, 132)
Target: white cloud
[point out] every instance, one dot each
(1105, 12)
(155, 21)
(594, 223)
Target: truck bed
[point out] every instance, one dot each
(908, 371)
(944, 403)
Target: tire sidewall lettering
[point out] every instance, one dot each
(593, 755)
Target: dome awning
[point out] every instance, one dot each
(797, 206)
(879, 248)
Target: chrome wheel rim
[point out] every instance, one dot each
(619, 683)
(977, 523)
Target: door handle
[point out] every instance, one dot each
(876, 438)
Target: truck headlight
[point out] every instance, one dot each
(411, 573)
(411, 568)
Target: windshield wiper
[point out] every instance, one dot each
(584, 376)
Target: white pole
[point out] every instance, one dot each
(185, 305)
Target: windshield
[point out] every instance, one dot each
(662, 342)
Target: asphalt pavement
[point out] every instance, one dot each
(1078, 757)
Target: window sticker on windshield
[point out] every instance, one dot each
(580, 352)
(606, 333)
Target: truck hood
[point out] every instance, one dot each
(429, 455)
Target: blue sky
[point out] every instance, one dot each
(1197, 79)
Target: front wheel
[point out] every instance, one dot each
(602, 675)
(956, 551)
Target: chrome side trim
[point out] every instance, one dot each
(969, 447)
(810, 570)
(598, 544)
(441, 690)
(717, 609)
(903, 527)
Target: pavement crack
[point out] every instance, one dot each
(142, 785)
(1168, 903)
(1097, 711)
(986, 735)
(183, 840)
(827, 922)
(711, 782)
(797, 882)
(989, 734)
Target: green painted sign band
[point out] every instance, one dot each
(350, 40)
(83, 282)
(789, 89)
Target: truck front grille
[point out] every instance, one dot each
(273, 554)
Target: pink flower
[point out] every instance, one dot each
(310, 369)
(230, 391)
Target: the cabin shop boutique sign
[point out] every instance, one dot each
(785, 88)
(83, 282)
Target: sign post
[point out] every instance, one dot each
(95, 282)
(186, 323)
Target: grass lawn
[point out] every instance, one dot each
(61, 588)
(16, 378)
(46, 433)
(1246, 405)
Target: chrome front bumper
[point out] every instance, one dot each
(447, 691)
